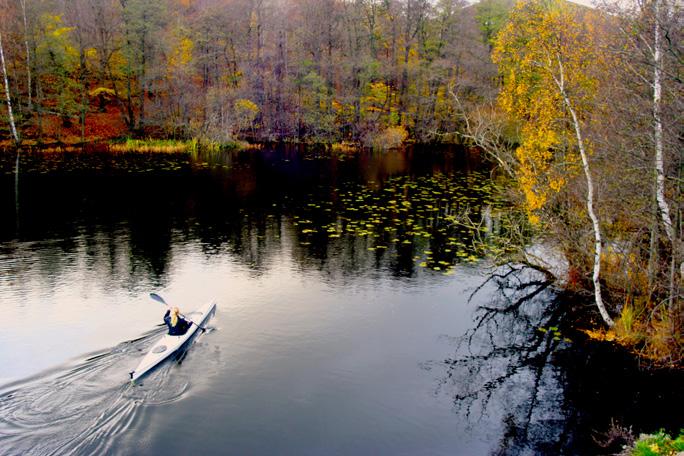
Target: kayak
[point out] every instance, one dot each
(168, 345)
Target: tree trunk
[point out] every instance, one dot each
(143, 77)
(663, 206)
(658, 126)
(39, 110)
(7, 94)
(84, 97)
(28, 55)
(598, 240)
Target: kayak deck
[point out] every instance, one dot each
(168, 345)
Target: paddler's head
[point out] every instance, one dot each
(174, 316)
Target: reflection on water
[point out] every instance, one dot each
(504, 365)
(551, 394)
(122, 213)
(338, 278)
(81, 408)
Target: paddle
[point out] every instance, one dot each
(159, 299)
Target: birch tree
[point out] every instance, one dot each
(660, 12)
(548, 63)
(648, 44)
(10, 115)
(657, 120)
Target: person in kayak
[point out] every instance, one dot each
(177, 324)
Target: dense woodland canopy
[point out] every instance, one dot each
(582, 107)
(306, 70)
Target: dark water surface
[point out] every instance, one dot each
(343, 326)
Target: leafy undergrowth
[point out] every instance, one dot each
(658, 444)
(655, 338)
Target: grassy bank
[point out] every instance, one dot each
(174, 145)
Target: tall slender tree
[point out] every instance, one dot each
(549, 65)
(8, 98)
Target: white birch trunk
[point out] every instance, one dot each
(7, 94)
(658, 125)
(663, 205)
(598, 240)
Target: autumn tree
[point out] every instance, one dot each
(641, 136)
(551, 66)
(318, 71)
(141, 21)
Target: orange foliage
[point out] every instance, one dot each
(105, 125)
(99, 126)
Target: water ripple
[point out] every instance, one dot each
(82, 408)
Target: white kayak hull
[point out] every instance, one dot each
(168, 345)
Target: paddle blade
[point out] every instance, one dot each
(158, 298)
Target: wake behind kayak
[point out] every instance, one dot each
(168, 344)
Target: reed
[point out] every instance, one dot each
(345, 147)
(151, 145)
(176, 146)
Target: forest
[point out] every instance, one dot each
(306, 71)
(580, 106)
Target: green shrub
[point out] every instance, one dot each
(658, 444)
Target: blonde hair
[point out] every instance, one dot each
(174, 316)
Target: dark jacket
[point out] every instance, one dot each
(181, 327)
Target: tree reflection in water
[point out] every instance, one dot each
(504, 365)
(550, 394)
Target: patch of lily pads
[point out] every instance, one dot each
(439, 221)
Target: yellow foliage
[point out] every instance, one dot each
(379, 104)
(181, 55)
(662, 336)
(53, 25)
(118, 62)
(377, 96)
(345, 147)
(600, 334)
(529, 50)
(629, 326)
(102, 91)
(644, 330)
(145, 146)
(343, 112)
(56, 43)
(343, 109)
(91, 53)
(245, 112)
(243, 104)
(61, 31)
(389, 138)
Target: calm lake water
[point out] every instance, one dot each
(354, 315)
